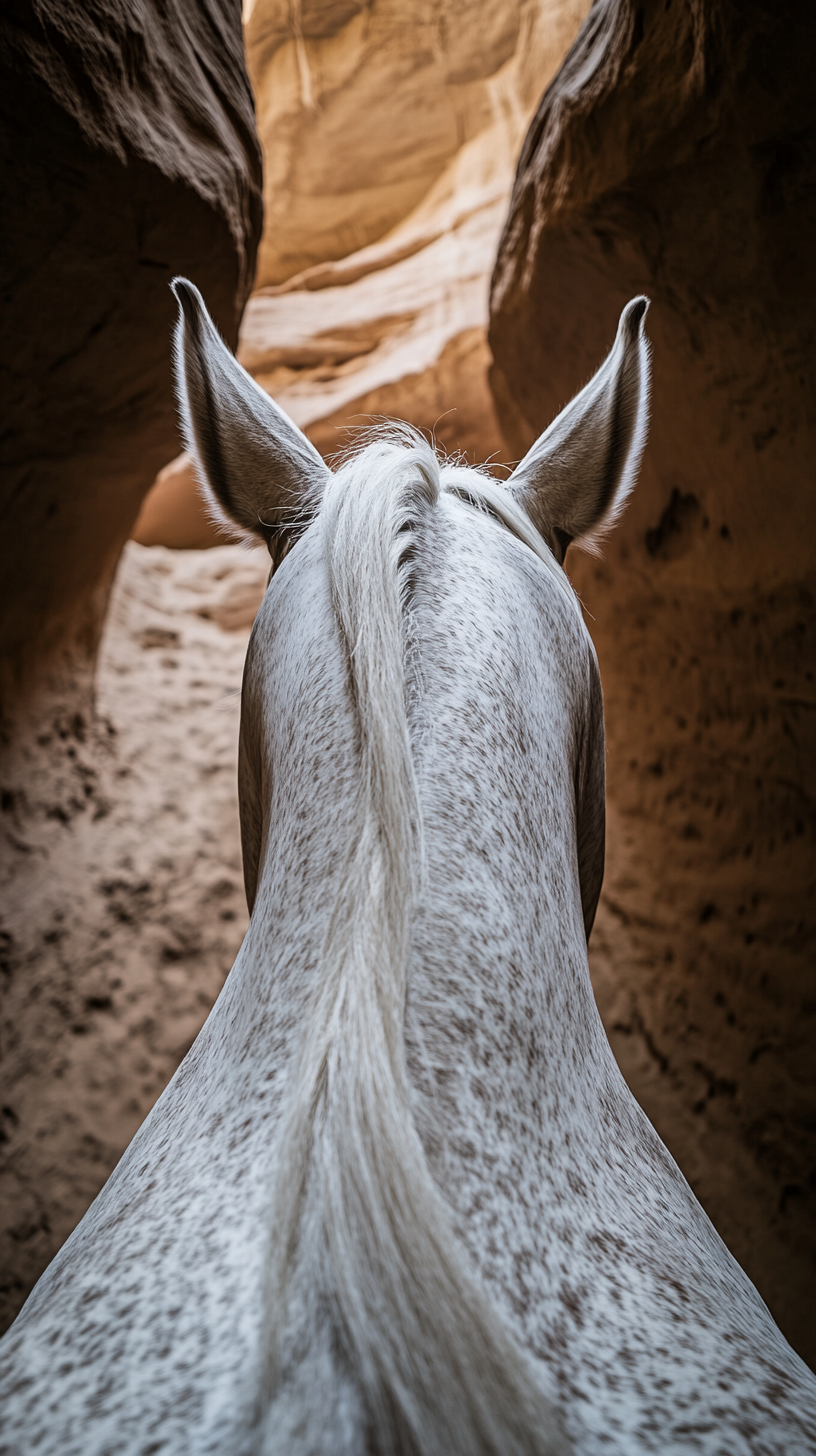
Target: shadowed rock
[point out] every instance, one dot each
(673, 155)
(129, 155)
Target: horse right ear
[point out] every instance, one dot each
(575, 480)
(257, 469)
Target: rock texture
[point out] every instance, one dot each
(116, 950)
(674, 155)
(390, 138)
(363, 106)
(129, 154)
(174, 514)
(397, 329)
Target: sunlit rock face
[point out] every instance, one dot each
(674, 155)
(129, 154)
(397, 329)
(390, 134)
(362, 107)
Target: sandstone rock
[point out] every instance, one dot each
(390, 139)
(370, 335)
(173, 514)
(674, 155)
(361, 107)
(129, 154)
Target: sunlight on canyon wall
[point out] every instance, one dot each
(390, 136)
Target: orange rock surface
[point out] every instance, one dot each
(674, 155)
(390, 136)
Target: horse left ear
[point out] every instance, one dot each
(256, 467)
(575, 480)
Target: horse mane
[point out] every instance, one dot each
(361, 1231)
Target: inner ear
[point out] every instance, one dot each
(564, 541)
(575, 480)
(279, 540)
(258, 470)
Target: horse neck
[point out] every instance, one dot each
(497, 688)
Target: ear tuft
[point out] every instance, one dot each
(575, 480)
(257, 469)
(187, 297)
(635, 313)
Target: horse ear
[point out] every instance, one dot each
(257, 469)
(575, 480)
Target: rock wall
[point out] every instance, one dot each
(674, 155)
(363, 106)
(129, 154)
(390, 136)
(116, 946)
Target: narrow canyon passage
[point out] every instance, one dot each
(403, 272)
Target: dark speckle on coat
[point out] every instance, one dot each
(144, 1333)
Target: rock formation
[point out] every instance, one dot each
(390, 138)
(363, 106)
(674, 155)
(129, 154)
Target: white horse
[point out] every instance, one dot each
(398, 1200)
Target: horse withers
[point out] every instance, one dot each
(398, 1200)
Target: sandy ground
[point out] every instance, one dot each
(114, 955)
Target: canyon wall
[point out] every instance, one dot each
(674, 155)
(363, 106)
(390, 135)
(129, 154)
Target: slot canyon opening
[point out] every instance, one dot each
(456, 203)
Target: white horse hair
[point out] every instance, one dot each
(398, 1200)
(436, 1363)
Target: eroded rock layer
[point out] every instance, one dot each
(674, 155)
(390, 136)
(129, 154)
(363, 106)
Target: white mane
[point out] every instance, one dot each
(357, 1217)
